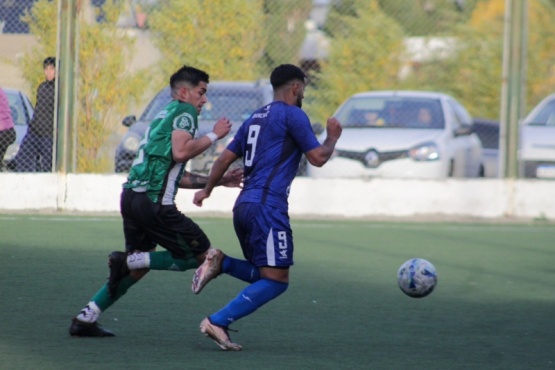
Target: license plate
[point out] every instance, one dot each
(545, 172)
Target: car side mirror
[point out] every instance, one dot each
(129, 120)
(464, 130)
(317, 128)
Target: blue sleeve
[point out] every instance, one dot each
(300, 129)
(236, 145)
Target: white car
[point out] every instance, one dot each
(537, 141)
(403, 134)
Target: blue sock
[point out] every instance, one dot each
(240, 269)
(249, 300)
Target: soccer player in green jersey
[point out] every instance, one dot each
(150, 216)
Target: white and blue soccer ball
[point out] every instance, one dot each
(417, 277)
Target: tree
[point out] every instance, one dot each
(285, 31)
(222, 37)
(428, 17)
(366, 54)
(473, 73)
(105, 86)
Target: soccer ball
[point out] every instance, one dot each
(417, 277)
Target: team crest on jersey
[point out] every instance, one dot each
(184, 122)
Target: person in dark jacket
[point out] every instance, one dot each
(35, 152)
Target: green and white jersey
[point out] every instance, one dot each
(154, 171)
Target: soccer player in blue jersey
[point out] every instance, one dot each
(150, 215)
(270, 143)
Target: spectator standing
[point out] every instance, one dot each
(35, 153)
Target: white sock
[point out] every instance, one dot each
(90, 313)
(139, 260)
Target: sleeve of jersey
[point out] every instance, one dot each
(185, 119)
(301, 130)
(236, 145)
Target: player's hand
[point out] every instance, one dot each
(222, 127)
(333, 128)
(199, 197)
(233, 179)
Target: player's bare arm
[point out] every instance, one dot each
(217, 172)
(232, 179)
(185, 147)
(320, 155)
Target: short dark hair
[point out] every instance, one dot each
(189, 75)
(286, 73)
(50, 61)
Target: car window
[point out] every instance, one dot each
(545, 117)
(391, 111)
(156, 105)
(460, 114)
(235, 104)
(20, 111)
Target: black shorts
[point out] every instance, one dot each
(147, 224)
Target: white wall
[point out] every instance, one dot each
(482, 198)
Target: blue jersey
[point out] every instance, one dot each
(271, 143)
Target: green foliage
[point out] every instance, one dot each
(428, 17)
(366, 53)
(222, 37)
(41, 26)
(285, 31)
(105, 87)
(473, 73)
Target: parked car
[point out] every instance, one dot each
(488, 132)
(22, 112)
(403, 134)
(537, 141)
(233, 99)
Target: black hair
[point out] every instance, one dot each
(286, 73)
(50, 61)
(188, 75)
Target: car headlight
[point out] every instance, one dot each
(425, 152)
(131, 143)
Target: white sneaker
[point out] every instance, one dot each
(210, 268)
(219, 335)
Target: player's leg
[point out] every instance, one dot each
(86, 322)
(240, 269)
(269, 245)
(187, 246)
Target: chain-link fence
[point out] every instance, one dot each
(447, 53)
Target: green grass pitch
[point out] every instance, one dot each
(493, 308)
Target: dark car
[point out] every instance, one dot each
(235, 100)
(488, 132)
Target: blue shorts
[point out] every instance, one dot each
(264, 234)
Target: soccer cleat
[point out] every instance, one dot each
(85, 329)
(219, 335)
(210, 268)
(117, 262)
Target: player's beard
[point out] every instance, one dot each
(299, 101)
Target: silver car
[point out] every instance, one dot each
(537, 141)
(403, 134)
